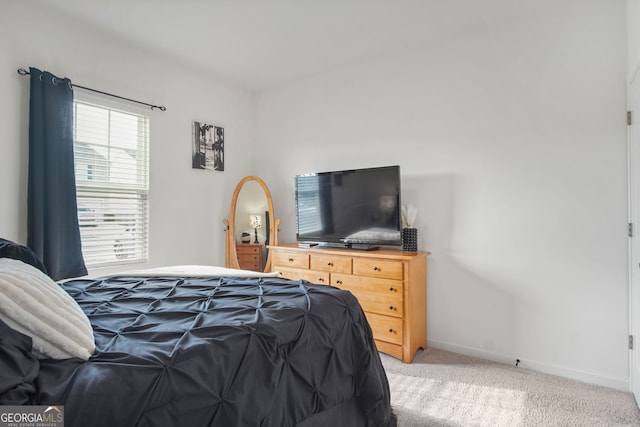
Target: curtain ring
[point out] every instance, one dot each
(69, 84)
(54, 81)
(41, 75)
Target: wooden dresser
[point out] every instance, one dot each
(390, 285)
(250, 256)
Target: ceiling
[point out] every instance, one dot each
(258, 44)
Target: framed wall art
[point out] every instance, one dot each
(207, 148)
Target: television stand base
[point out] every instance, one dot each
(348, 246)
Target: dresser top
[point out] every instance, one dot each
(374, 253)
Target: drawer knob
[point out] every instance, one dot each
(390, 307)
(320, 279)
(339, 282)
(391, 289)
(329, 263)
(375, 268)
(290, 259)
(390, 330)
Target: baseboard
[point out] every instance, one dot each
(618, 384)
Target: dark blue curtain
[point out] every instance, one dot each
(52, 224)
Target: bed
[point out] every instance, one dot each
(193, 346)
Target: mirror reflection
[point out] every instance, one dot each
(250, 214)
(251, 226)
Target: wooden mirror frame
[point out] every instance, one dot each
(231, 255)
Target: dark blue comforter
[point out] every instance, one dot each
(219, 352)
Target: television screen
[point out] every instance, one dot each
(349, 207)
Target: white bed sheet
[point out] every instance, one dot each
(196, 271)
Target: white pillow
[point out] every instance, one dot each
(33, 304)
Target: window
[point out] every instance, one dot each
(111, 149)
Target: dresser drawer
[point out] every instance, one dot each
(290, 259)
(289, 273)
(247, 249)
(390, 287)
(313, 276)
(378, 268)
(250, 264)
(332, 263)
(317, 277)
(249, 257)
(386, 328)
(381, 304)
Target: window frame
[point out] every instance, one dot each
(112, 236)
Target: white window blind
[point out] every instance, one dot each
(309, 216)
(111, 149)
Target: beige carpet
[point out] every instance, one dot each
(441, 388)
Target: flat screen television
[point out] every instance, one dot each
(357, 208)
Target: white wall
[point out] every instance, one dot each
(511, 142)
(633, 39)
(186, 205)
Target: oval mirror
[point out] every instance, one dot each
(251, 226)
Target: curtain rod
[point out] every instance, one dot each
(24, 72)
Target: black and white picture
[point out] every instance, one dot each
(207, 150)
